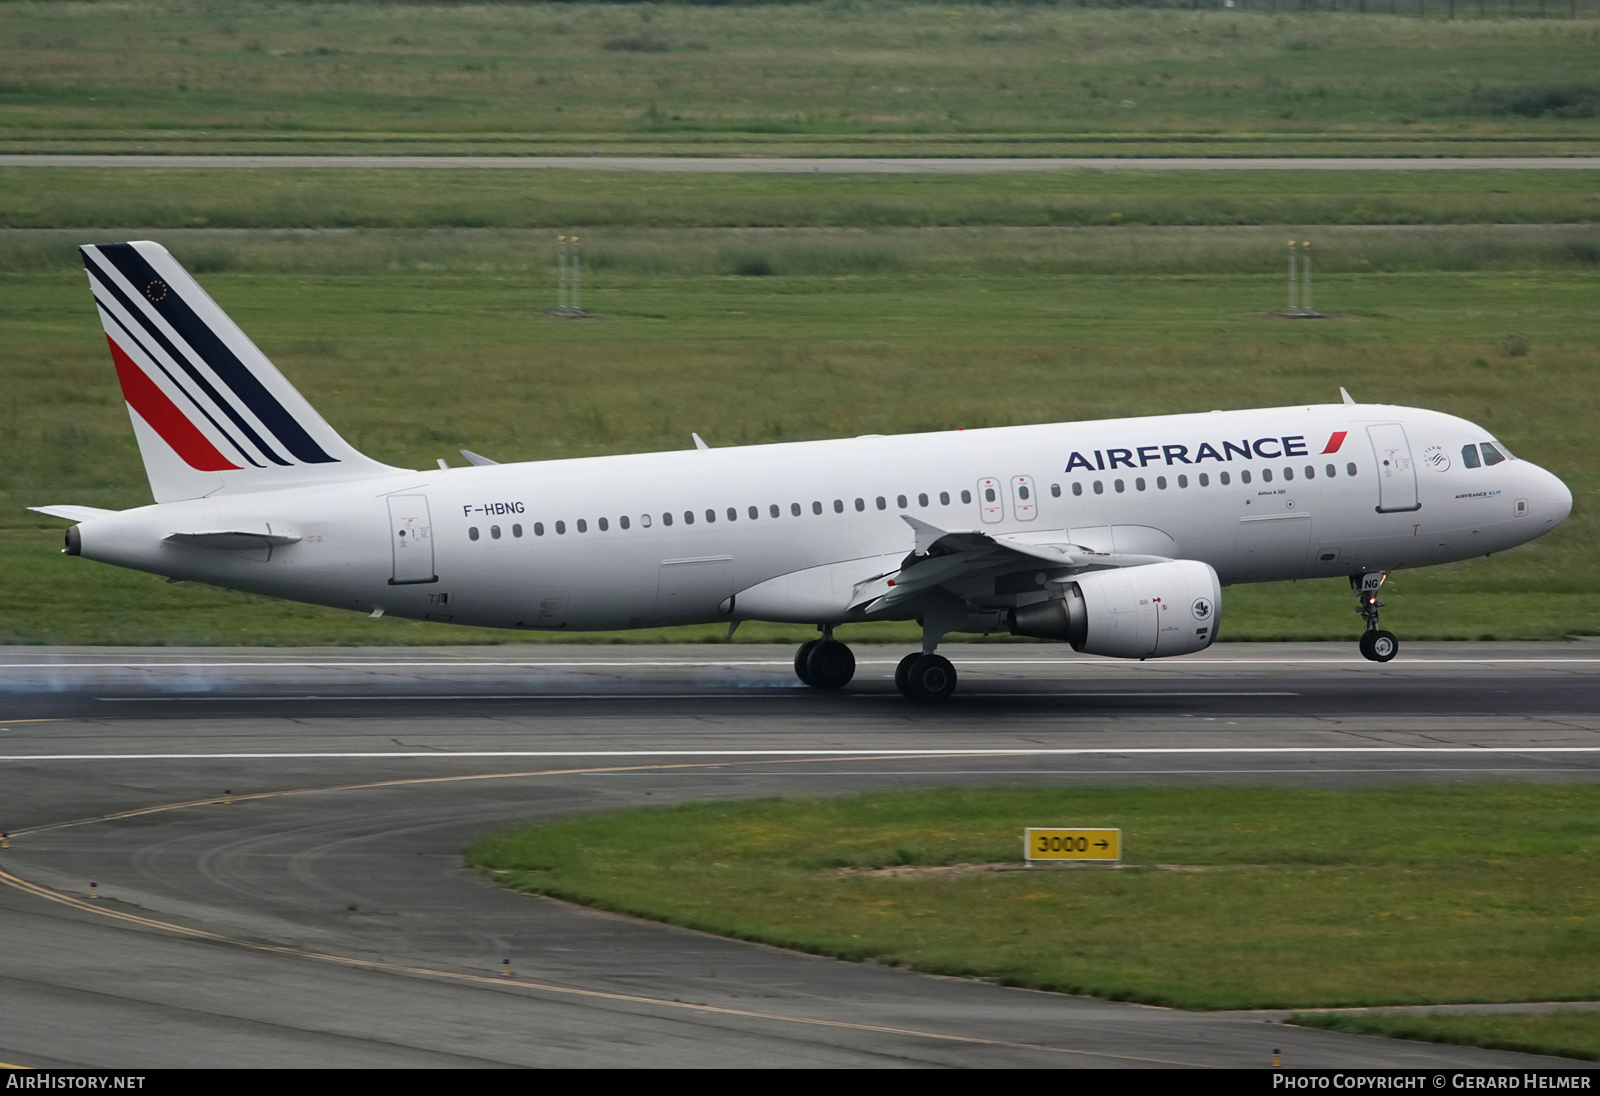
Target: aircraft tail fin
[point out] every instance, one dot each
(212, 414)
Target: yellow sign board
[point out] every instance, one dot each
(1071, 844)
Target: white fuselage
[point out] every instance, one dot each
(587, 544)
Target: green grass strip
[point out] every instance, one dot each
(1564, 1033)
(1230, 897)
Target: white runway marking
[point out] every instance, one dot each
(795, 690)
(962, 660)
(820, 754)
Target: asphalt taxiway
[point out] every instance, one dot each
(324, 917)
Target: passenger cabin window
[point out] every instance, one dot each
(1266, 476)
(1161, 483)
(1244, 477)
(756, 513)
(838, 506)
(604, 525)
(922, 500)
(1222, 478)
(688, 517)
(900, 501)
(861, 504)
(1099, 488)
(494, 532)
(516, 530)
(1350, 469)
(472, 532)
(1205, 479)
(944, 496)
(883, 503)
(1118, 486)
(623, 521)
(733, 513)
(794, 508)
(538, 528)
(1330, 471)
(1055, 490)
(1077, 488)
(816, 507)
(966, 496)
(1138, 483)
(1183, 481)
(773, 510)
(666, 518)
(644, 520)
(561, 528)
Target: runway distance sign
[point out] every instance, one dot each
(1071, 844)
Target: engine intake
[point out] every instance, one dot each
(1150, 611)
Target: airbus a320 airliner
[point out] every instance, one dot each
(1115, 537)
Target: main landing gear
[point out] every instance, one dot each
(825, 663)
(926, 677)
(1376, 644)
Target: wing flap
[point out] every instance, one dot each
(945, 555)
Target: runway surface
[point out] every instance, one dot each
(324, 917)
(827, 164)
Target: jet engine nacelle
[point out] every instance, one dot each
(1150, 611)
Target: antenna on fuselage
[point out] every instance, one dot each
(1345, 396)
(699, 442)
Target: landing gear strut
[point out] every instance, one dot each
(825, 663)
(923, 675)
(1376, 644)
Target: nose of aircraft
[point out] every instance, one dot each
(1551, 497)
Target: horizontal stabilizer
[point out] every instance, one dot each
(232, 539)
(72, 513)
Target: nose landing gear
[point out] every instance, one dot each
(1376, 644)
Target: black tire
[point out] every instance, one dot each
(829, 665)
(903, 669)
(1382, 646)
(930, 679)
(800, 657)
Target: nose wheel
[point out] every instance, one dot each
(1379, 645)
(1376, 644)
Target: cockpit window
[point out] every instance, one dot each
(1469, 456)
(1491, 455)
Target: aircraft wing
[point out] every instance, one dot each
(945, 555)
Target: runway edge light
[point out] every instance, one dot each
(1053, 844)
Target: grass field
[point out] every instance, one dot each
(416, 344)
(36, 197)
(848, 77)
(1230, 898)
(1568, 1034)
